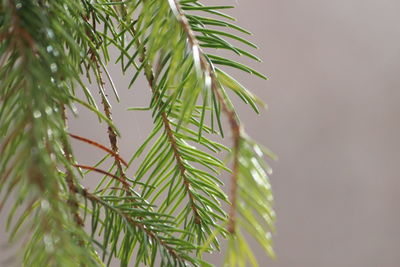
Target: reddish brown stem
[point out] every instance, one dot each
(91, 142)
(102, 172)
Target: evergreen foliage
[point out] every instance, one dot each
(171, 211)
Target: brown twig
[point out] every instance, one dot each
(112, 135)
(91, 142)
(69, 175)
(102, 172)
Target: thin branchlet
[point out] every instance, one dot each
(121, 180)
(112, 135)
(100, 146)
(69, 175)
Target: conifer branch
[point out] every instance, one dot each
(230, 113)
(149, 74)
(247, 156)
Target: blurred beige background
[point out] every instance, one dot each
(334, 122)
(333, 119)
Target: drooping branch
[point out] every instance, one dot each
(150, 76)
(235, 126)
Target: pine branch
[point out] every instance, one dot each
(171, 137)
(230, 113)
(198, 219)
